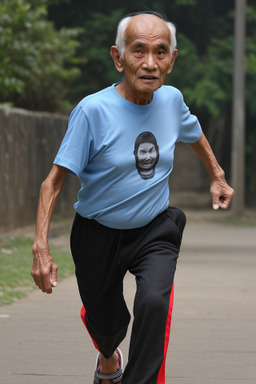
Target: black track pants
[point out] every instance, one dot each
(102, 257)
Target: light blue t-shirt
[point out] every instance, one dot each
(123, 154)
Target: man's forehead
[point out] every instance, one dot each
(146, 144)
(147, 26)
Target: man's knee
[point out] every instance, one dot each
(152, 304)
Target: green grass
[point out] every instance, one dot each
(242, 222)
(15, 265)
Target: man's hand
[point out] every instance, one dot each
(221, 193)
(44, 270)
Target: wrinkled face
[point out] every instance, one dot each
(147, 57)
(147, 156)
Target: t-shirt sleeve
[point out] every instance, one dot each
(190, 129)
(75, 148)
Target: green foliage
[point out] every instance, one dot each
(206, 80)
(186, 2)
(204, 67)
(96, 40)
(37, 62)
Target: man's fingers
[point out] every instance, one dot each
(222, 194)
(225, 201)
(54, 277)
(44, 271)
(215, 201)
(221, 202)
(42, 280)
(215, 206)
(36, 278)
(46, 281)
(226, 198)
(224, 205)
(215, 192)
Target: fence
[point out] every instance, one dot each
(28, 144)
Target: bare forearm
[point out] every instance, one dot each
(221, 192)
(206, 155)
(49, 193)
(47, 201)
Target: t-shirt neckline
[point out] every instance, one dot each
(131, 105)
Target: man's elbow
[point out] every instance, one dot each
(54, 182)
(50, 187)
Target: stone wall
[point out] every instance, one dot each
(28, 144)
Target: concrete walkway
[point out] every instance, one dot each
(213, 338)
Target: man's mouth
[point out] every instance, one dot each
(148, 77)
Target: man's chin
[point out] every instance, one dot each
(146, 174)
(148, 86)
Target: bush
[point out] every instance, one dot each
(37, 62)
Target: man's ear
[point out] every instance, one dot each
(174, 57)
(114, 52)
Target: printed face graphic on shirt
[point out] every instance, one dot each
(146, 152)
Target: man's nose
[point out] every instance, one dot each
(149, 63)
(148, 156)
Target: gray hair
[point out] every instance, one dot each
(120, 36)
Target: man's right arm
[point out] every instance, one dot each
(44, 269)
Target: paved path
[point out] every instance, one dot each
(213, 339)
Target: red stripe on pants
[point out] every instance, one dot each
(83, 312)
(161, 375)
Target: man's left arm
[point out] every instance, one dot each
(221, 192)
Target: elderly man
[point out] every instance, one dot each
(123, 220)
